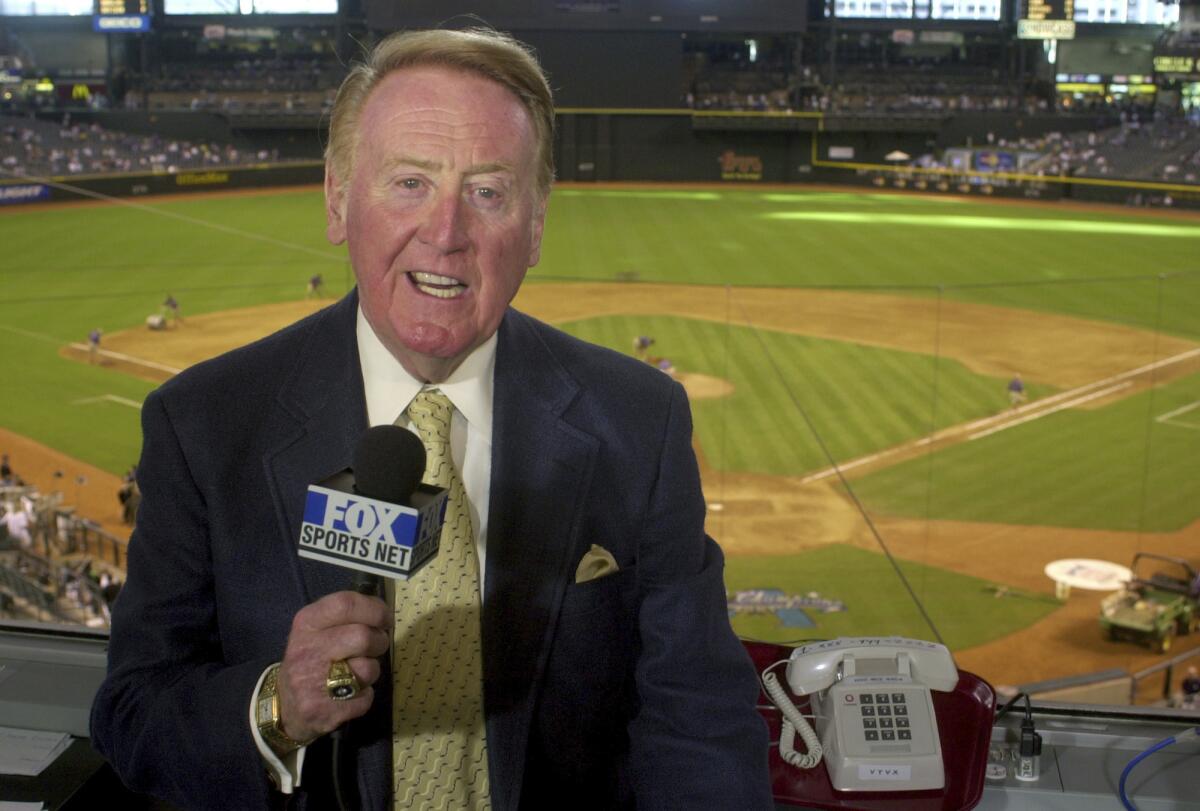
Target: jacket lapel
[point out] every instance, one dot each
(325, 411)
(541, 469)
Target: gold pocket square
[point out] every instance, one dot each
(596, 562)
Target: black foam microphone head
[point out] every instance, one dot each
(388, 464)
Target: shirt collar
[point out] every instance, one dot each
(389, 388)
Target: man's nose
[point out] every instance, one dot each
(445, 224)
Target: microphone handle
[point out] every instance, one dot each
(367, 583)
(344, 792)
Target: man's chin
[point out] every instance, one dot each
(430, 352)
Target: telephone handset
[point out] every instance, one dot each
(876, 728)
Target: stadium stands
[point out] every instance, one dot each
(34, 147)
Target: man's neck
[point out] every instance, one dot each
(429, 370)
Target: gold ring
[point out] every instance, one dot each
(342, 684)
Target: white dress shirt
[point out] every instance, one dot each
(389, 388)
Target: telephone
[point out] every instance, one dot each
(876, 728)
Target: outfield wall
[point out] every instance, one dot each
(73, 188)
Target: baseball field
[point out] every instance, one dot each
(847, 354)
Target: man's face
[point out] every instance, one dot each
(440, 212)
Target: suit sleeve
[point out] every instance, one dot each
(171, 715)
(697, 740)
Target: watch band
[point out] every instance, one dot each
(267, 715)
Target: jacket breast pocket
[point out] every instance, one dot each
(614, 591)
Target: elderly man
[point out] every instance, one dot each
(570, 643)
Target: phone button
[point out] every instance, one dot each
(885, 723)
(868, 723)
(885, 710)
(900, 710)
(871, 735)
(888, 735)
(897, 698)
(866, 698)
(901, 723)
(868, 710)
(881, 698)
(904, 735)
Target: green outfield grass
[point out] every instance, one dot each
(966, 610)
(66, 270)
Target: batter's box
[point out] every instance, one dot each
(1187, 416)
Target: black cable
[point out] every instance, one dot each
(862, 510)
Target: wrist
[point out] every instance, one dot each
(268, 716)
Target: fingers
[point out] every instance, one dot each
(344, 608)
(341, 626)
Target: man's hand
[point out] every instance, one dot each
(344, 625)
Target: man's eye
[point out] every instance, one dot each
(488, 196)
(410, 183)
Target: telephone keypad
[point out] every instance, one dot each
(884, 716)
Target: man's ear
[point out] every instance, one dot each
(538, 226)
(335, 208)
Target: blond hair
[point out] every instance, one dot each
(484, 52)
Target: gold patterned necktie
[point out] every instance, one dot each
(438, 744)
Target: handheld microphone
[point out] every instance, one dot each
(388, 464)
(377, 518)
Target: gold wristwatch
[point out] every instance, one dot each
(267, 715)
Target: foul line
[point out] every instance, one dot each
(108, 353)
(112, 398)
(38, 336)
(1054, 410)
(1026, 413)
(174, 215)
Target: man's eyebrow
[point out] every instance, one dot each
(407, 162)
(404, 161)
(487, 168)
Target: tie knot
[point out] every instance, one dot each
(430, 413)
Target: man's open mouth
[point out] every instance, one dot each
(431, 284)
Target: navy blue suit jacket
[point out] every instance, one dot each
(627, 689)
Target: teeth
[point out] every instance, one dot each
(432, 278)
(433, 284)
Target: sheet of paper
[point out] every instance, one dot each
(29, 751)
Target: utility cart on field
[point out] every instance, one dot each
(1161, 600)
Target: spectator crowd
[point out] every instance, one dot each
(33, 147)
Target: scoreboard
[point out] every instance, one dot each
(1046, 19)
(121, 16)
